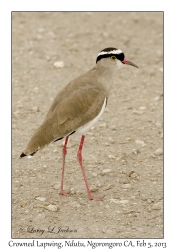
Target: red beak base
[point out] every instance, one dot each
(129, 63)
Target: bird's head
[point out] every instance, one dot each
(112, 58)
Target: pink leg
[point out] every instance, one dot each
(79, 155)
(64, 154)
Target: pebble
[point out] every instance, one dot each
(158, 151)
(52, 208)
(142, 108)
(137, 112)
(94, 174)
(140, 142)
(94, 189)
(133, 175)
(111, 140)
(58, 64)
(114, 201)
(135, 151)
(36, 109)
(126, 185)
(111, 156)
(114, 127)
(23, 204)
(106, 171)
(40, 198)
(72, 191)
(124, 201)
(157, 98)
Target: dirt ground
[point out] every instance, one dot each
(123, 153)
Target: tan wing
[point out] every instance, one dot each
(71, 109)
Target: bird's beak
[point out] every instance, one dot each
(129, 63)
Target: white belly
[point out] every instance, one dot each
(83, 130)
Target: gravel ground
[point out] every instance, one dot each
(123, 153)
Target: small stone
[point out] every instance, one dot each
(111, 157)
(94, 174)
(133, 175)
(72, 191)
(124, 180)
(158, 151)
(94, 189)
(137, 112)
(157, 98)
(135, 151)
(52, 208)
(126, 185)
(23, 204)
(114, 201)
(142, 108)
(113, 127)
(40, 198)
(58, 64)
(111, 140)
(124, 201)
(36, 109)
(106, 171)
(140, 142)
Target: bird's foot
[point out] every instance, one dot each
(64, 193)
(96, 198)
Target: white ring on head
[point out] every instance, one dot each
(118, 51)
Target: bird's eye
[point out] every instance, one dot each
(113, 57)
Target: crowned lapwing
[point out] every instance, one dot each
(77, 107)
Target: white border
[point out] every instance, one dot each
(5, 96)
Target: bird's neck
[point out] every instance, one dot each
(107, 76)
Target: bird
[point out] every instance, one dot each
(77, 107)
